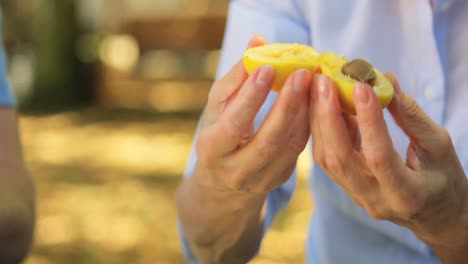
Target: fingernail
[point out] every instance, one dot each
(324, 90)
(266, 76)
(255, 41)
(301, 79)
(258, 38)
(361, 93)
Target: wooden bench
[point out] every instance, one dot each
(187, 33)
(183, 34)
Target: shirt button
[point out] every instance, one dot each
(430, 93)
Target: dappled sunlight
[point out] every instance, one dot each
(106, 182)
(131, 149)
(38, 260)
(55, 229)
(120, 52)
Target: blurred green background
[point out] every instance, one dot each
(109, 93)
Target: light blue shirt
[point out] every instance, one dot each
(426, 48)
(6, 96)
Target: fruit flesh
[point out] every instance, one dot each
(288, 58)
(284, 58)
(332, 66)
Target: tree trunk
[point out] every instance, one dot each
(56, 80)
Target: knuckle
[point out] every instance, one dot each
(413, 110)
(318, 154)
(230, 129)
(267, 150)
(238, 181)
(373, 213)
(319, 157)
(235, 74)
(226, 80)
(212, 93)
(334, 164)
(411, 209)
(444, 138)
(357, 201)
(233, 177)
(297, 145)
(276, 179)
(378, 212)
(204, 150)
(441, 145)
(407, 214)
(379, 160)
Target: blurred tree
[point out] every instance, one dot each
(14, 14)
(57, 81)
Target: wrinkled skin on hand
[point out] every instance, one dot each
(235, 158)
(427, 193)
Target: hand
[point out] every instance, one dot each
(427, 194)
(234, 159)
(237, 167)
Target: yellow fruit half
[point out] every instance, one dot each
(284, 58)
(288, 58)
(332, 65)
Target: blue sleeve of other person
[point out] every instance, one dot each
(6, 96)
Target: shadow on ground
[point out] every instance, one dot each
(106, 181)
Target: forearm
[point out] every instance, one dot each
(450, 255)
(17, 215)
(17, 193)
(455, 252)
(459, 253)
(221, 227)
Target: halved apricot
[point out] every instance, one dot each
(346, 74)
(286, 58)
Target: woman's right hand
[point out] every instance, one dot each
(234, 159)
(221, 206)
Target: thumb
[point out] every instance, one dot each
(224, 89)
(423, 132)
(256, 41)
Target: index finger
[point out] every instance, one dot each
(235, 123)
(382, 158)
(331, 122)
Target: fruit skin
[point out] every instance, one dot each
(304, 57)
(284, 58)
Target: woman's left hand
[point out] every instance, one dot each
(427, 194)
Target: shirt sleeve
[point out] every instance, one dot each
(6, 96)
(277, 21)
